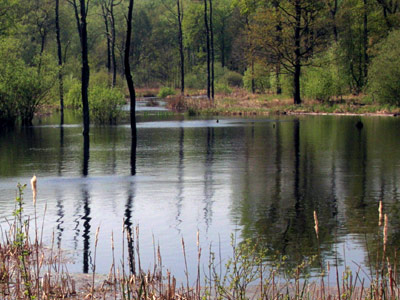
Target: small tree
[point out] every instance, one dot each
(384, 73)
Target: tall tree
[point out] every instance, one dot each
(212, 50)
(108, 34)
(128, 75)
(180, 40)
(390, 9)
(60, 62)
(207, 49)
(302, 34)
(365, 39)
(81, 11)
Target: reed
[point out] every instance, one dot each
(27, 271)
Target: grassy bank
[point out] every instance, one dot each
(240, 102)
(30, 270)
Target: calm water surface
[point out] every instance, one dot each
(256, 178)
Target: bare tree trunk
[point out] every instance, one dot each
(85, 69)
(105, 17)
(128, 74)
(278, 29)
(212, 50)
(208, 49)
(114, 62)
(333, 11)
(80, 16)
(60, 64)
(180, 38)
(365, 40)
(297, 53)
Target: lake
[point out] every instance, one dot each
(259, 178)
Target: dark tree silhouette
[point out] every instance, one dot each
(81, 11)
(60, 63)
(128, 75)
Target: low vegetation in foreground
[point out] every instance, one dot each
(28, 270)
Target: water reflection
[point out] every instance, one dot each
(208, 178)
(129, 228)
(261, 177)
(133, 155)
(60, 216)
(86, 148)
(86, 228)
(180, 181)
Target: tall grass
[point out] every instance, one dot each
(29, 271)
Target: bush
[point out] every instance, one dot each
(221, 88)
(261, 78)
(165, 91)
(384, 72)
(73, 96)
(23, 88)
(105, 104)
(198, 78)
(232, 78)
(324, 79)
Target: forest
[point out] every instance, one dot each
(303, 49)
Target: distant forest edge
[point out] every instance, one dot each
(302, 49)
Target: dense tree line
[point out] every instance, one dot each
(304, 48)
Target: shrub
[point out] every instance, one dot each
(197, 79)
(222, 88)
(384, 72)
(260, 76)
(73, 97)
(22, 88)
(105, 104)
(324, 79)
(165, 91)
(232, 78)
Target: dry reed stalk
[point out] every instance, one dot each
(385, 233)
(138, 249)
(186, 267)
(316, 224)
(113, 265)
(96, 240)
(198, 265)
(34, 190)
(380, 210)
(34, 195)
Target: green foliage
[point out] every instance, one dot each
(384, 73)
(23, 87)
(73, 96)
(165, 91)
(105, 104)
(232, 78)
(261, 76)
(324, 79)
(222, 88)
(222, 76)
